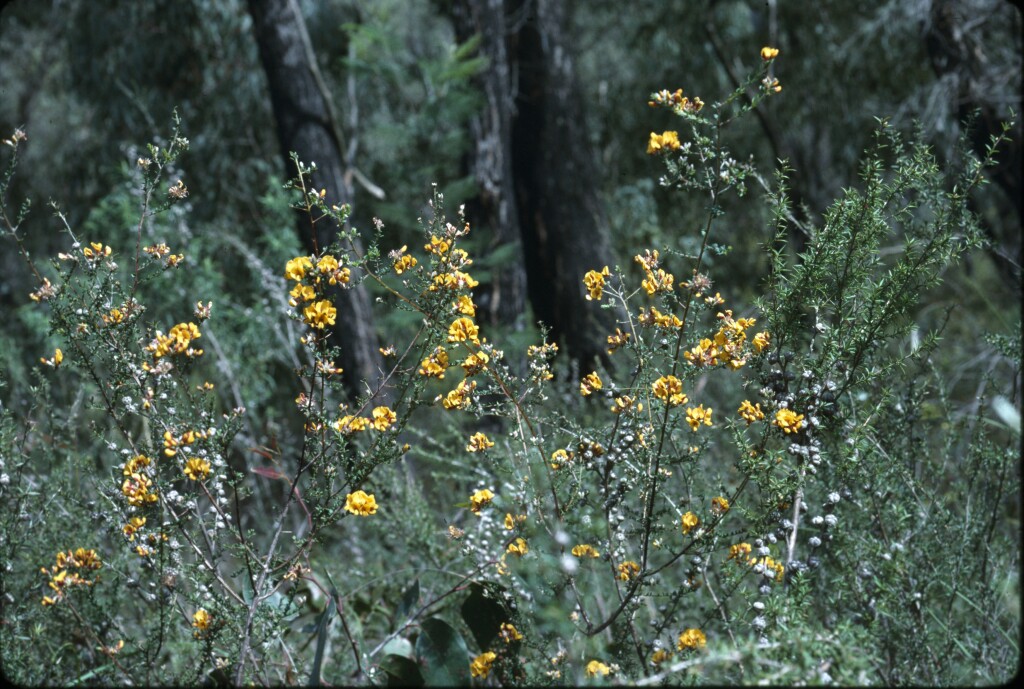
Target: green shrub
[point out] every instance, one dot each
(782, 492)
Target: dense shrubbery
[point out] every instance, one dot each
(773, 492)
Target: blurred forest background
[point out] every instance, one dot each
(532, 113)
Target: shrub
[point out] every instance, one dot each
(780, 492)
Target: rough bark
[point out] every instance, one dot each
(562, 220)
(501, 300)
(306, 125)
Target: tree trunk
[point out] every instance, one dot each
(306, 125)
(501, 300)
(562, 220)
(955, 50)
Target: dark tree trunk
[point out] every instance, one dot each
(562, 220)
(501, 299)
(955, 51)
(306, 126)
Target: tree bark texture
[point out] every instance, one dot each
(501, 300)
(563, 224)
(306, 126)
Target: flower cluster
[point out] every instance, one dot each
(590, 383)
(690, 639)
(177, 341)
(67, 572)
(478, 442)
(480, 500)
(669, 389)
(788, 420)
(729, 345)
(750, 412)
(381, 419)
(695, 416)
(361, 503)
(655, 278)
(594, 282)
(481, 664)
(662, 143)
(676, 101)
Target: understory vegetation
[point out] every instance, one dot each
(813, 481)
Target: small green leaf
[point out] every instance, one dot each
(442, 654)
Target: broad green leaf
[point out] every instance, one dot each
(483, 615)
(442, 654)
(402, 671)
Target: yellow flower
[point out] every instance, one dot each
(666, 141)
(590, 383)
(176, 341)
(437, 246)
(360, 503)
(296, 268)
(453, 281)
(508, 633)
(349, 424)
(478, 442)
(405, 263)
(761, 340)
(559, 458)
(327, 264)
(460, 397)
(481, 665)
(623, 403)
(658, 281)
(750, 412)
(196, 469)
(659, 319)
(628, 570)
(465, 306)
(518, 547)
(691, 638)
(690, 521)
(475, 363)
(301, 293)
(480, 500)
(669, 389)
(463, 329)
(768, 53)
(788, 420)
(435, 365)
(201, 619)
(96, 251)
(320, 315)
(58, 356)
(594, 282)
(383, 417)
(696, 416)
(585, 550)
(617, 340)
(719, 505)
(133, 525)
(660, 656)
(738, 551)
(510, 522)
(772, 569)
(136, 489)
(596, 667)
